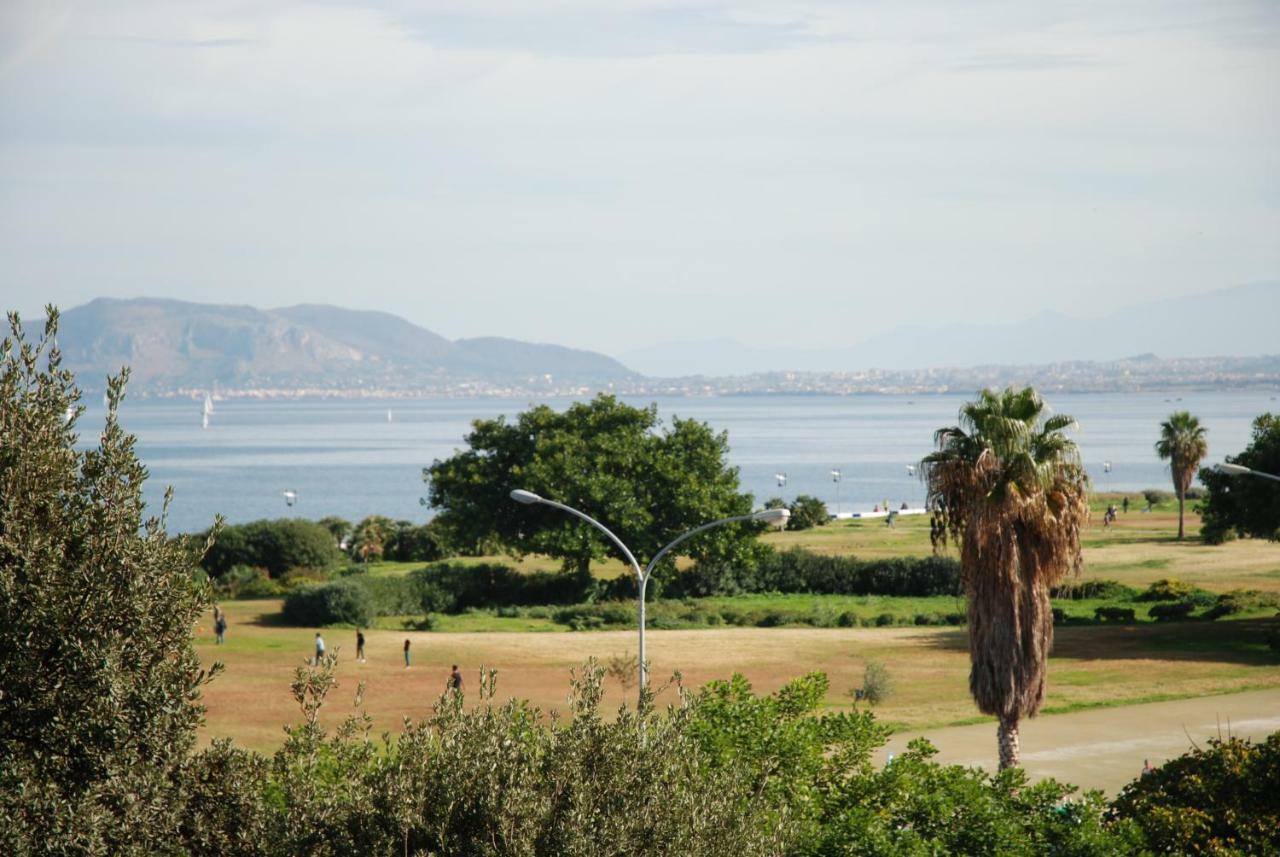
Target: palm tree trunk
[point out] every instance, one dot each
(1181, 500)
(1007, 738)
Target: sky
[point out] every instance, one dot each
(614, 175)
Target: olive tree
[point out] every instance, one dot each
(99, 683)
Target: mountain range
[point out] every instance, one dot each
(1237, 322)
(172, 345)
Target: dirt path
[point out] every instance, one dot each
(1104, 748)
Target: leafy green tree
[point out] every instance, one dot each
(1245, 505)
(648, 482)
(99, 683)
(807, 512)
(1183, 443)
(1007, 485)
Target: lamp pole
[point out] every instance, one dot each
(642, 576)
(1241, 470)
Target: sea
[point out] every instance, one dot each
(357, 457)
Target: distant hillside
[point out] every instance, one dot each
(1236, 322)
(172, 345)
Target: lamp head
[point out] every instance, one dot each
(527, 497)
(771, 516)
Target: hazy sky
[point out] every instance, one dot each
(614, 174)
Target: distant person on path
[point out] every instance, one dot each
(406, 653)
(1147, 770)
(217, 616)
(220, 627)
(319, 649)
(1124, 504)
(359, 645)
(455, 679)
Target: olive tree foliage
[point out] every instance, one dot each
(99, 684)
(645, 480)
(1245, 505)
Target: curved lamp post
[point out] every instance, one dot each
(642, 576)
(1241, 470)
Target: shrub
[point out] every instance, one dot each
(277, 546)
(876, 683)
(807, 512)
(1167, 589)
(242, 581)
(1113, 614)
(885, 619)
(1171, 611)
(1102, 590)
(1242, 601)
(1155, 497)
(801, 571)
(1059, 616)
(447, 588)
(342, 601)
(1220, 799)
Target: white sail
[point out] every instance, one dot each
(204, 421)
(208, 404)
(388, 416)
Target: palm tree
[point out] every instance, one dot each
(1183, 443)
(1008, 487)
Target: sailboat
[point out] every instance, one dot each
(388, 415)
(208, 409)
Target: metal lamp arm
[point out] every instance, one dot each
(660, 554)
(602, 528)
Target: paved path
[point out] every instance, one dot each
(1104, 748)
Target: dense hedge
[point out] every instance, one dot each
(276, 546)
(799, 570)
(344, 600)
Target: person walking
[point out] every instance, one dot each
(455, 679)
(1124, 504)
(319, 649)
(220, 627)
(360, 645)
(217, 617)
(406, 653)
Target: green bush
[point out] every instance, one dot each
(1156, 497)
(1113, 614)
(277, 546)
(242, 581)
(1171, 611)
(807, 512)
(1100, 590)
(801, 571)
(1167, 589)
(1220, 799)
(342, 601)
(1242, 601)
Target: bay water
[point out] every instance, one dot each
(344, 457)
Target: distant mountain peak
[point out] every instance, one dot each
(172, 345)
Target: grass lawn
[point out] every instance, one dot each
(1091, 666)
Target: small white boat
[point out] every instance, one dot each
(208, 409)
(388, 415)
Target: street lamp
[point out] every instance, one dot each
(642, 577)
(1240, 470)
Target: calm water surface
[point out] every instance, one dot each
(344, 457)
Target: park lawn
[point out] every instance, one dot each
(1138, 549)
(1098, 665)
